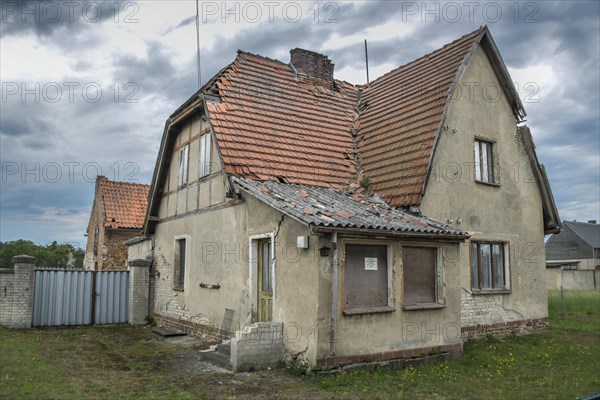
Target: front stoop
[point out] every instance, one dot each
(257, 346)
(220, 356)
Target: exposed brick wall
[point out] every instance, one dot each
(485, 309)
(16, 293)
(448, 351)
(116, 250)
(504, 328)
(316, 66)
(97, 219)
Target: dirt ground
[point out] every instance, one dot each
(218, 383)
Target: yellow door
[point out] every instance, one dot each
(265, 281)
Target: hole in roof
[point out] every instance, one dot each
(281, 179)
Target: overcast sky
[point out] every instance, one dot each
(87, 86)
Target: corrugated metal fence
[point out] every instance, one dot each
(68, 297)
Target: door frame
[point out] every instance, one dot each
(253, 272)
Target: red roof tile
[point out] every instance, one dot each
(124, 203)
(272, 126)
(401, 115)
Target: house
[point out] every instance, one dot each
(572, 255)
(118, 214)
(576, 247)
(302, 216)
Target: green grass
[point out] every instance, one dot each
(561, 364)
(124, 362)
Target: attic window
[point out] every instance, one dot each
(485, 156)
(182, 176)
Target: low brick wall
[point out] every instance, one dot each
(257, 346)
(193, 328)
(504, 328)
(16, 293)
(398, 358)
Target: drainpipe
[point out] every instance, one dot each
(334, 294)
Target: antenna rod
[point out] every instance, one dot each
(367, 60)
(198, 46)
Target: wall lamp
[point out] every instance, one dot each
(324, 251)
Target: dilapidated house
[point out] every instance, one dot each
(300, 215)
(118, 214)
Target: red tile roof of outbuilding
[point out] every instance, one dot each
(124, 203)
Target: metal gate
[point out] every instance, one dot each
(64, 297)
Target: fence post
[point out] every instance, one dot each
(562, 300)
(139, 290)
(22, 310)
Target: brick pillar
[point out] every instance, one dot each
(22, 302)
(139, 290)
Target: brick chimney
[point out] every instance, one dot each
(314, 65)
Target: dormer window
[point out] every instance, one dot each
(485, 156)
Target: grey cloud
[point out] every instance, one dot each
(45, 18)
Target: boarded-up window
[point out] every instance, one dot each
(365, 276)
(419, 275)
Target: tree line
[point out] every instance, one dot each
(53, 255)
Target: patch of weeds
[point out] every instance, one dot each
(297, 366)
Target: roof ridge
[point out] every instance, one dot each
(445, 46)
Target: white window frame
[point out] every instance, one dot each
(205, 152)
(486, 170)
(182, 175)
(176, 283)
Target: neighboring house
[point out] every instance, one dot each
(338, 223)
(572, 254)
(576, 247)
(117, 215)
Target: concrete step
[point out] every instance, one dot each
(217, 358)
(224, 348)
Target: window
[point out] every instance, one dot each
(182, 176)
(205, 150)
(489, 266)
(421, 277)
(366, 279)
(179, 263)
(485, 154)
(569, 266)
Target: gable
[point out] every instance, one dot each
(403, 112)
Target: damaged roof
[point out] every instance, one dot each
(327, 208)
(124, 203)
(271, 123)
